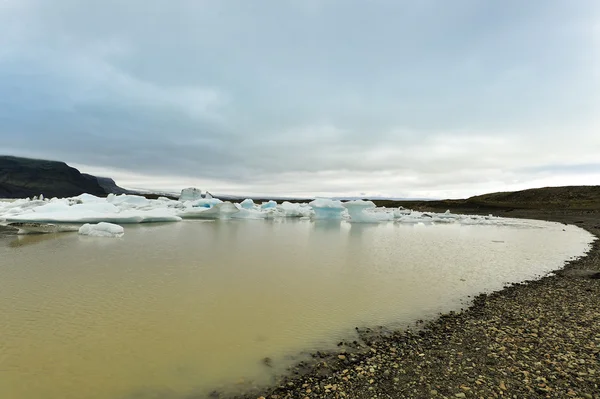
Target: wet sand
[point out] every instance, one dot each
(529, 340)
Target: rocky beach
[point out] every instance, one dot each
(535, 339)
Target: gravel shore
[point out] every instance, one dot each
(539, 339)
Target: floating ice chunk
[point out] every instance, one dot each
(446, 215)
(288, 209)
(131, 200)
(85, 198)
(325, 208)
(413, 217)
(190, 194)
(222, 210)
(401, 212)
(79, 217)
(248, 213)
(156, 215)
(268, 205)
(356, 210)
(41, 228)
(247, 204)
(204, 202)
(102, 229)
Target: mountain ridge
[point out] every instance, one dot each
(26, 177)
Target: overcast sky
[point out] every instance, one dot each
(428, 98)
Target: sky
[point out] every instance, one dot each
(394, 98)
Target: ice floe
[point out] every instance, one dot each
(193, 204)
(102, 229)
(328, 209)
(361, 211)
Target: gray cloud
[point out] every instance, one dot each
(294, 96)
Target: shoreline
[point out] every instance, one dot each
(539, 338)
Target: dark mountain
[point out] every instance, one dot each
(109, 185)
(24, 177)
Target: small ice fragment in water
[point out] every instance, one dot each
(102, 229)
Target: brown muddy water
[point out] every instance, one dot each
(176, 310)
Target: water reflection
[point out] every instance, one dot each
(31, 239)
(327, 225)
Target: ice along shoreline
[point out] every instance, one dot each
(539, 338)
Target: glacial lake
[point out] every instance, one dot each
(176, 310)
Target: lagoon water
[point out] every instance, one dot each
(174, 310)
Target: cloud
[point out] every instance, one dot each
(325, 96)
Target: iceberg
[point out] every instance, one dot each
(222, 210)
(356, 210)
(203, 202)
(325, 208)
(291, 210)
(244, 213)
(190, 194)
(359, 212)
(102, 229)
(247, 204)
(54, 215)
(41, 228)
(268, 205)
(136, 201)
(87, 210)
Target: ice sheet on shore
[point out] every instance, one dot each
(126, 209)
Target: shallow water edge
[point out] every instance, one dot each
(460, 354)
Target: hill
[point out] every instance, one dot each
(546, 198)
(25, 177)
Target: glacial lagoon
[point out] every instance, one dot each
(179, 309)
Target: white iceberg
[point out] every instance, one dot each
(88, 209)
(41, 228)
(325, 208)
(125, 209)
(222, 210)
(244, 213)
(102, 229)
(190, 194)
(359, 214)
(268, 205)
(134, 201)
(247, 204)
(293, 210)
(203, 203)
